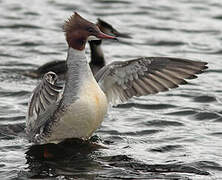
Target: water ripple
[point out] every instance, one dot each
(20, 26)
(206, 116)
(162, 123)
(146, 106)
(171, 135)
(166, 148)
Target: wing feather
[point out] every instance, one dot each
(148, 75)
(43, 103)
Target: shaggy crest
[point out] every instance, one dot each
(70, 22)
(73, 21)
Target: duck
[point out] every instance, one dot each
(77, 109)
(97, 60)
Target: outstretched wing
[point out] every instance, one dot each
(43, 103)
(149, 75)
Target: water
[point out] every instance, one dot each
(172, 135)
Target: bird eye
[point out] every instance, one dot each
(91, 30)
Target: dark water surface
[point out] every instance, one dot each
(172, 135)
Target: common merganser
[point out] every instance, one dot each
(77, 109)
(97, 56)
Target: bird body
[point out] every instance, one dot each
(77, 109)
(82, 109)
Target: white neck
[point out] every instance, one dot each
(75, 56)
(77, 69)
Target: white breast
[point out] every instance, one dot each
(84, 116)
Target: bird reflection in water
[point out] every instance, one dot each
(72, 157)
